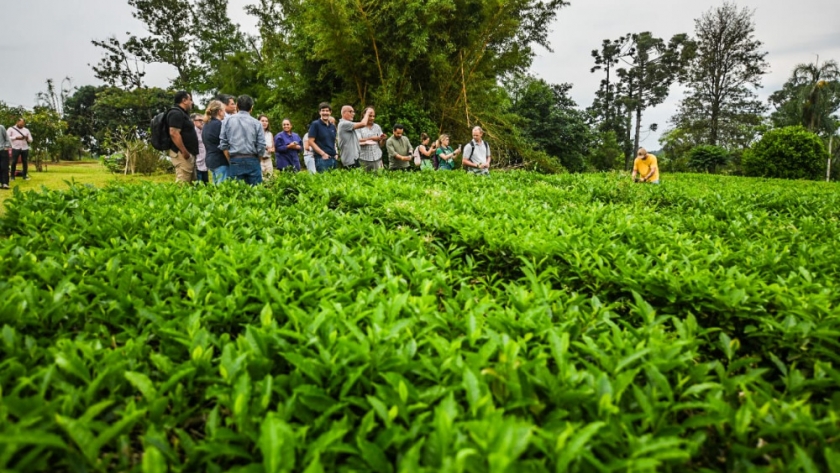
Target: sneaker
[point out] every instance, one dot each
(4, 186)
(27, 178)
(13, 178)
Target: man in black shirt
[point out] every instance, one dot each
(184, 138)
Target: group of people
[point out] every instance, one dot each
(230, 143)
(14, 147)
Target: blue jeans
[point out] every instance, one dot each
(324, 165)
(202, 176)
(246, 169)
(220, 174)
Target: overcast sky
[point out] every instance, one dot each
(54, 41)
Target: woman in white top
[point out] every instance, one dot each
(268, 156)
(371, 140)
(308, 157)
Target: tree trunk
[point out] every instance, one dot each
(638, 127)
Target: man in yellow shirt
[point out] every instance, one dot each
(645, 164)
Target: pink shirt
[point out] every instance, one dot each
(15, 132)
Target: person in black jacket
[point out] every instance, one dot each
(215, 159)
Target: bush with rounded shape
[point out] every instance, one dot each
(788, 153)
(707, 158)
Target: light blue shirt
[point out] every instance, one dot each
(5, 143)
(242, 135)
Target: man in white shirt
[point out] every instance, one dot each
(476, 157)
(20, 137)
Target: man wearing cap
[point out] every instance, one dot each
(646, 167)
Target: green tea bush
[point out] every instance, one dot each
(422, 322)
(707, 158)
(788, 153)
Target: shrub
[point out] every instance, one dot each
(788, 153)
(707, 158)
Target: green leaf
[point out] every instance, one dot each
(277, 444)
(142, 383)
(574, 448)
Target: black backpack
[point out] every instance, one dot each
(160, 131)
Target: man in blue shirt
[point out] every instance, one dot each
(287, 146)
(322, 135)
(243, 142)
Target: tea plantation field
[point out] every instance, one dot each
(422, 323)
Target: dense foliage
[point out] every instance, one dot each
(707, 158)
(434, 322)
(789, 153)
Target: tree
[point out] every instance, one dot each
(606, 154)
(721, 105)
(656, 65)
(551, 121)
(788, 153)
(707, 158)
(196, 37)
(446, 59)
(809, 98)
(652, 67)
(607, 109)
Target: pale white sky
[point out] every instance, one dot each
(54, 41)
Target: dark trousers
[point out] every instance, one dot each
(24, 157)
(203, 176)
(4, 166)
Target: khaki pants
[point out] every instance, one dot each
(266, 165)
(184, 167)
(371, 166)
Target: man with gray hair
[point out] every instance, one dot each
(476, 157)
(348, 141)
(243, 142)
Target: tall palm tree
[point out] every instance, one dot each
(820, 86)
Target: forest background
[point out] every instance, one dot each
(444, 66)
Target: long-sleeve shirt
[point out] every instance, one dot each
(399, 146)
(242, 136)
(4, 138)
(285, 156)
(202, 153)
(14, 133)
(210, 137)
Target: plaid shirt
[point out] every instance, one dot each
(370, 152)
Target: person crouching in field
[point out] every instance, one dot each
(214, 158)
(646, 167)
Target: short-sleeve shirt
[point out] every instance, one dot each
(445, 165)
(477, 152)
(178, 118)
(348, 141)
(324, 135)
(642, 166)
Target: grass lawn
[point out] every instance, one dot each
(60, 176)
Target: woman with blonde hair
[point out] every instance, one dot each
(445, 154)
(214, 159)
